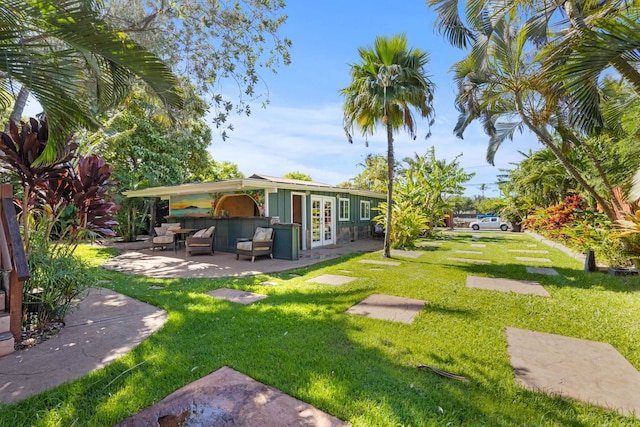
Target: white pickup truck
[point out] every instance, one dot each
(490, 223)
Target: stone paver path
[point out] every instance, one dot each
(526, 287)
(478, 245)
(542, 270)
(105, 326)
(332, 279)
(235, 295)
(589, 371)
(406, 254)
(529, 251)
(529, 259)
(373, 261)
(388, 307)
(479, 261)
(469, 252)
(228, 397)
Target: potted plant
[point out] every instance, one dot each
(515, 211)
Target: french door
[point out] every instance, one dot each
(322, 221)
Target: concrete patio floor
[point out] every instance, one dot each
(138, 258)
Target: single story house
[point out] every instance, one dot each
(319, 214)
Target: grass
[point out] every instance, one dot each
(361, 370)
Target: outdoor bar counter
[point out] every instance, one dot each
(286, 241)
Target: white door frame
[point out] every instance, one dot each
(322, 241)
(304, 216)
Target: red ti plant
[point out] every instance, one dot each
(20, 150)
(95, 210)
(49, 189)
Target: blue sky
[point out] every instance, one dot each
(301, 129)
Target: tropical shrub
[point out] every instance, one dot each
(57, 280)
(574, 224)
(407, 223)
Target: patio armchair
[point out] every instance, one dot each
(202, 241)
(164, 236)
(260, 244)
(378, 231)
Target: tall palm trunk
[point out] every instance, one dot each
(390, 166)
(19, 105)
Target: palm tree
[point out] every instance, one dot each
(386, 87)
(509, 93)
(578, 41)
(73, 63)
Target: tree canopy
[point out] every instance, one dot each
(73, 62)
(221, 46)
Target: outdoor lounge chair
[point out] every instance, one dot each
(202, 241)
(164, 236)
(260, 244)
(378, 231)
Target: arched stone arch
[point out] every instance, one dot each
(238, 205)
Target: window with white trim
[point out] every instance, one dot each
(343, 209)
(365, 210)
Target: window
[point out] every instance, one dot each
(365, 210)
(343, 210)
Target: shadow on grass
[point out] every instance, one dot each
(300, 341)
(320, 356)
(566, 278)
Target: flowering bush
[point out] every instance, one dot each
(572, 223)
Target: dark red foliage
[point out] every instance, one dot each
(95, 209)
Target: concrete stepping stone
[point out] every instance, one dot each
(388, 307)
(589, 371)
(478, 261)
(228, 397)
(529, 251)
(332, 279)
(529, 259)
(542, 270)
(527, 287)
(235, 295)
(476, 237)
(373, 261)
(469, 252)
(428, 244)
(345, 271)
(406, 254)
(376, 269)
(532, 245)
(478, 245)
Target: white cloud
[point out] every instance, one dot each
(278, 139)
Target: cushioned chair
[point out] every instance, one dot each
(164, 236)
(378, 231)
(202, 241)
(260, 244)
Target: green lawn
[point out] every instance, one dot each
(362, 370)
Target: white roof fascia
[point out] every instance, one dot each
(240, 185)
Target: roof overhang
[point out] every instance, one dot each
(242, 185)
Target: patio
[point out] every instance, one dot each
(138, 258)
